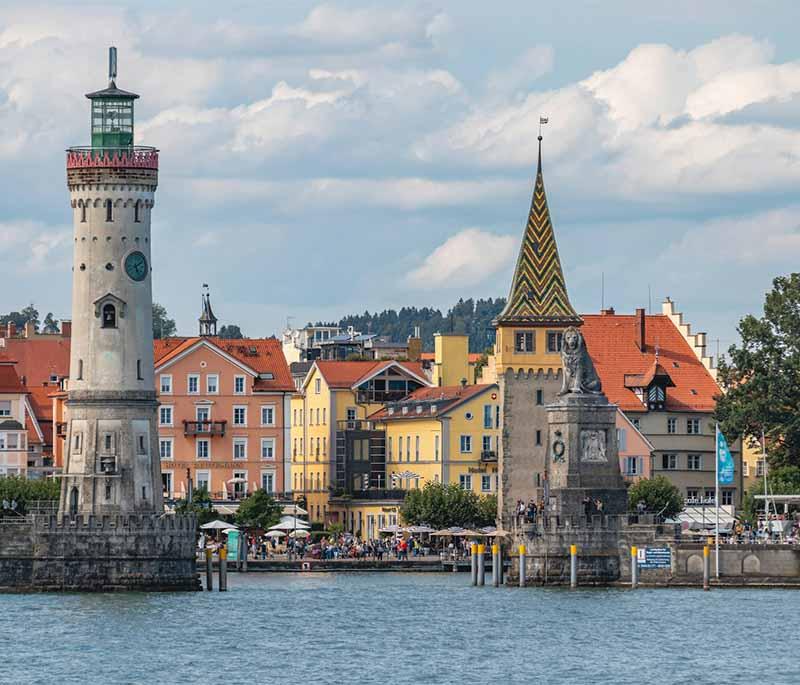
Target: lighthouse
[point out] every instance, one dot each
(111, 463)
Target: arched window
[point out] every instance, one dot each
(109, 316)
(136, 212)
(83, 212)
(109, 214)
(73, 501)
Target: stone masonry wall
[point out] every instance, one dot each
(149, 553)
(521, 459)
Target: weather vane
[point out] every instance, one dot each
(542, 121)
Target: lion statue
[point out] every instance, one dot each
(580, 376)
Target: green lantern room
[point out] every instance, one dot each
(112, 112)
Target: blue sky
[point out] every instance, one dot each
(320, 159)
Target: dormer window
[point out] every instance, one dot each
(656, 397)
(109, 319)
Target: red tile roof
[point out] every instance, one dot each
(262, 355)
(347, 374)
(38, 358)
(611, 341)
(9, 379)
(444, 397)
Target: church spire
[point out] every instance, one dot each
(538, 291)
(208, 322)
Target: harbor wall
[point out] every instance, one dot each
(148, 553)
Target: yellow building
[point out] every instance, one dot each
(335, 395)
(451, 363)
(752, 464)
(447, 434)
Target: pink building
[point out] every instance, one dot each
(635, 450)
(222, 415)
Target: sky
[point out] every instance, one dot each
(322, 159)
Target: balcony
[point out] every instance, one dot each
(61, 429)
(204, 428)
(355, 425)
(488, 456)
(371, 494)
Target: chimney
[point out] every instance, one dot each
(608, 312)
(641, 339)
(11, 329)
(66, 328)
(30, 329)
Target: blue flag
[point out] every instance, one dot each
(724, 460)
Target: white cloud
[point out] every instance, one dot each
(467, 258)
(529, 66)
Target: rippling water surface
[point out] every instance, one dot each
(401, 628)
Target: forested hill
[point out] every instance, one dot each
(467, 316)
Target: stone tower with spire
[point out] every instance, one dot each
(111, 463)
(527, 356)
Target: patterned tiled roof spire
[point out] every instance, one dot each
(538, 291)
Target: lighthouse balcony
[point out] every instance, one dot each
(120, 157)
(209, 428)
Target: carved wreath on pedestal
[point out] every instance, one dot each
(558, 448)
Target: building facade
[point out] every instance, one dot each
(222, 418)
(334, 392)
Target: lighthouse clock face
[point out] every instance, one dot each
(136, 266)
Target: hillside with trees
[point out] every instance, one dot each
(473, 317)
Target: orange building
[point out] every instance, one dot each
(222, 415)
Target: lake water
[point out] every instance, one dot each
(401, 628)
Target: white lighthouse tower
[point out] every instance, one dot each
(111, 463)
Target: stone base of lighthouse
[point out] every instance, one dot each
(99, 554)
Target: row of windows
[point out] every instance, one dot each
(759, 469)
(203, 448)
(139, 376)
(525, 341)
(12, 441)
(316, 417)
(203, 414)
(488, 482)
(202, 481)
(317, 482)
(709, 496)
(109, 207)
(317, 447)
(672, 462)
(193, 384)
(693, 426)
(108, 443)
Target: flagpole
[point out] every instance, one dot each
(716, 498)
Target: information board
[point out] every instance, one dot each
(654, 557)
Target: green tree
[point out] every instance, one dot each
(30, 313)
(23, 490)
(200, 507)
(658, 494)
(442, 506)
(761, 380)
(163, 326)
(50, 324)
(231, 332)
(258, 510)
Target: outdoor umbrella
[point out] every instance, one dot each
(420, 529)
(291, 523)
(394, 528)
(299, 534)
(217, 525)
(275, 534)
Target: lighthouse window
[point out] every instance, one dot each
(109, 211)
(136, 212)
(83, 213)
(109, 316)
(139, 370)
(80, 370)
